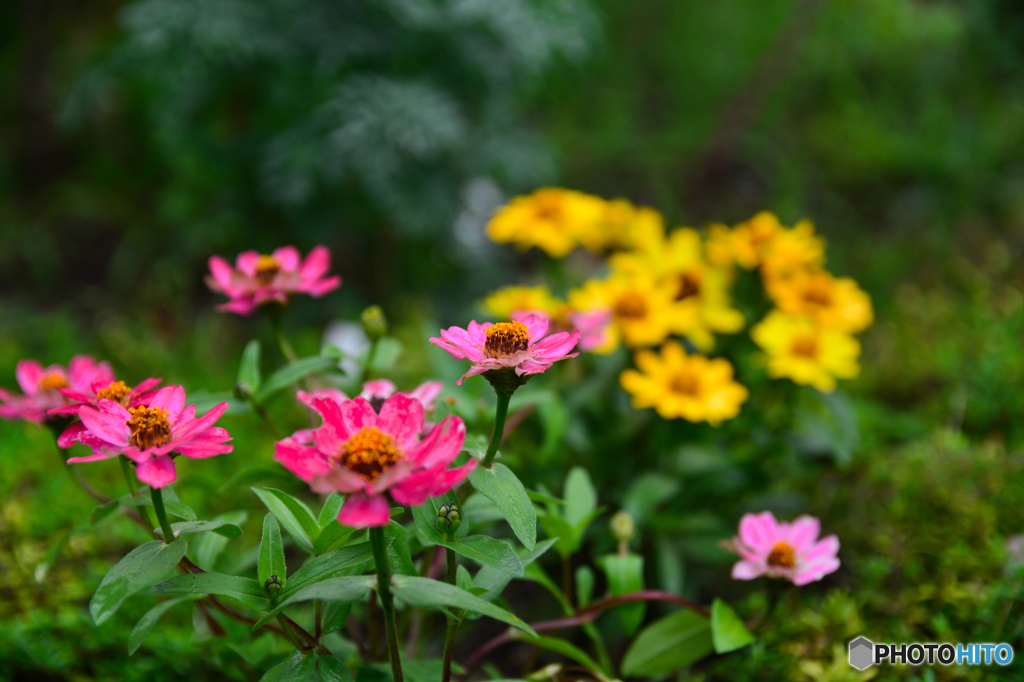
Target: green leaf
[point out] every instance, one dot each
(500, 486)
(580, 496)
(386, 355)
(329, 512)
(334, 615)
(333, 670)
(343, 589)
(494, 580)
(399, 556)
(537, 496)
(206, 401)
(296, 668)
(171, 502)
(326, 566)
(727, 630)
(149, 620)
(255, 474)
(463, 579)
(563, 647)
(244, 590)
(551, 410)
(249, 369)
(669, 644)
(488, 551)
(626, 574)
(204, 548)
(292, 373)
(425, 517)
(271, 559)
(330, 536)
(44, 566)
(142, 567)
(646, 493)
(557, 527)
(292, 514)
(584, 585)
(476, 445)
(102, 512)
(426, 592)
(228, 530)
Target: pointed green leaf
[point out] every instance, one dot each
(292, 373)
(334, 615)
(256, 474)
(292, 514)
(426, 592)
(560, 646)
(488, 551)
(102, 512)
(343, 589)
(271, 559)
(148, 621)
(296, 668)
(249, 368)
(626, 574)
(142, 567)
(500, 486)
(727, 630)
(204, 548)
(329, 512)
(326, 566)
(399, 556)
(333, 670)
(463, 579)
(669, 644)
(331, 535)
(244, 590)
(494, 580)
(580, 496)
(224, 528)
(584, 585)
(171, 502)
(557, 527)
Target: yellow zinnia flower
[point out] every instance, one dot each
(792, 251)
(807, 353)
(644, 310)
(677, 385)
(550, 219)
(502, 302)
(700, 290)
(623, 226)
(835, 302)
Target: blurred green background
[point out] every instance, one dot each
(141, 137)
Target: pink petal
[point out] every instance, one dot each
(816, 571)
(303, 461)
(146, 385)
(105, 426)
(455, 351)
(378, 388)
(247, 261)
(240, 306)
(339, 478)
(170, 398)
(746, 570)
(70, 435)
(402, 418)
(316, 264)
(207, 444)
(536, 325)
(556, 346)
(221, 274)
(287, 257)
(426, 393)
(754, 533)
(185, 428)
(95, 457)
(323, 286)
(157, 472)
(441, 445)
(333, 433)
(361, 511)
(828, 546)
(803, 532)
(357, 415)
(325, 393)
(29, 373)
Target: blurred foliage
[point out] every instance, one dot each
(140, 137)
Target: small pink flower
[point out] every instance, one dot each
(149, 435)
(784, 550)
(101, 388)
(518, 344)
(257, 279)
(376, 392)
(44, 387)
(365, 454)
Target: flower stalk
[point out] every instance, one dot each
(453, 623)
(133, 490)
(500, 414)
(161, 514)
(387, 602)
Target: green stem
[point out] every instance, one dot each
(387, 602)
(288, 632)
(133, 490)
(367, 368)
(500, 413)
(161, 515)
(318, 621)
(267, 419)
(277, 329)
(453, 623)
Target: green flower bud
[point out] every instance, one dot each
(374, 323)
(449, 518)
(243, 391)
(274, 585)
(623, 527)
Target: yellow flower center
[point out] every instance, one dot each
(52, 382)
(150, 427)
(818, 295)
(506, 338)
(369, 453)
(116, 391)
(805, 347)
(686, 383)
(631, 305)
(689, 286)
(548, 207)
(266, 269)
(782, 556)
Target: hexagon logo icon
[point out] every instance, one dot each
(862, 653)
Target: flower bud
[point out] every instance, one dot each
(622, 527)
(374, 323)
(243, 391)
(274, 585)
(449, 518)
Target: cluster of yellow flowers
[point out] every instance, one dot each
(678, 284)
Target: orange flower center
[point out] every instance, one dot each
(818, 294)
(369, 453)
(150, 427)
(548, 207)
(782, 556)
(266, 269)
(506, 338)
(52, 382)
(689, 286)
(116, 391)
(686, 383)
(631, 305)
(805, 347)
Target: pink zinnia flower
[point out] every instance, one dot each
(257, 279)
(365, 454)
(376, 392)
(43, 387)
(149, 435)
(783, 550)
(102, 387)
(517, 345)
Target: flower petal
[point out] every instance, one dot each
(287, 257)
(361, 511)
(28, 373)
(556, 346)
(157, 472)
(303, 461)
(441, 446)
(536, 325)
(402, 418)
(746, 570)
(803, 533)
(316, 264)
(357, 415)
(170, 398)
(105, 426)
